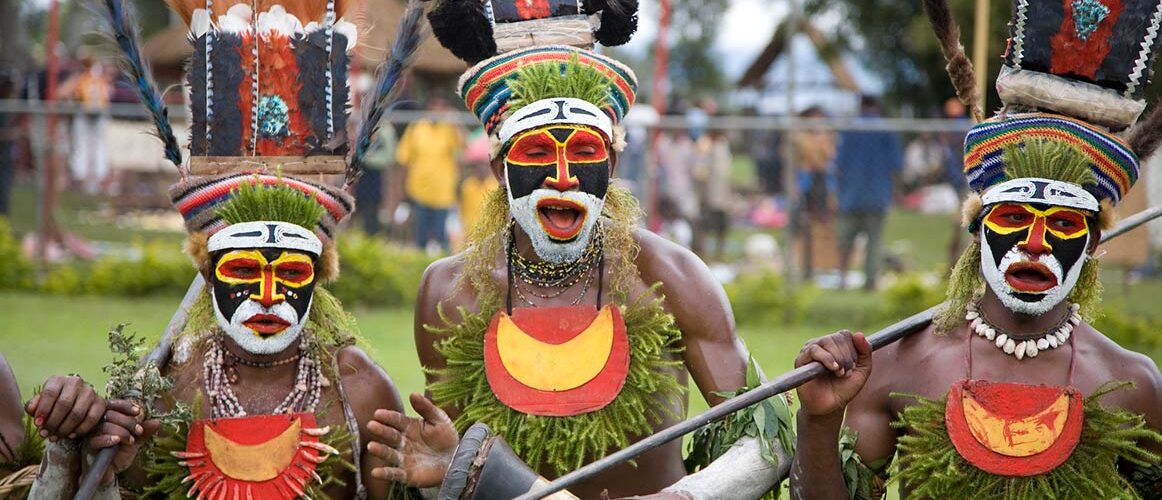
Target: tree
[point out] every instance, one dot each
(693, 67)
(899, 45)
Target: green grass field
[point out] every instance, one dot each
(43, 335)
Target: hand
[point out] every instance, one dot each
(417, 451)
(122, 428)
(67, 407)
(848, 358)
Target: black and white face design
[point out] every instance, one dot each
(557, 179)
(262, 296)
(1031, 256)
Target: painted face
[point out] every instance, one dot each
(1031, 257)
(262, 297)
(557, 178)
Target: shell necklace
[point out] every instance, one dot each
(1019, 345)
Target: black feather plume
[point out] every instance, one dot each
(462, 27)
(124, 32)
(409, 36)
(618, 20)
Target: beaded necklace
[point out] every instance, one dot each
(561, 277)
(303, 397)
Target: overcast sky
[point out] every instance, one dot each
(746, 28)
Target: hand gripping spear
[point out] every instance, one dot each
(159, 357)
(778, 385)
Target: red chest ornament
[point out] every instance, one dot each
(1012, 429)
(557, 361)
(268, 456)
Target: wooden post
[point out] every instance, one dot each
(661, 70)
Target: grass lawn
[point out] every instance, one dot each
(45, 335)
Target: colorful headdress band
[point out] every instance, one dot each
(1112, 161)
(198, 200)
(486, 92)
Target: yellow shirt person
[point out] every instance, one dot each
(428, 151)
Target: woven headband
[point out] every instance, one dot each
(198, 200)
(1113, 163)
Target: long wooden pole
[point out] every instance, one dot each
(778, 385)
(980, 58)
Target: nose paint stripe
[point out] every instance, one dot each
(266, 295)
(562, 172)
(1035, 241)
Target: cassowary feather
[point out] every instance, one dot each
(312, 59)
(196, 72)
(409, 36)
(959, 67)
(311, 55)
(226, 120)
(618, 20)
(124, 32)
(463, 28)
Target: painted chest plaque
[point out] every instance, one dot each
(557, 361)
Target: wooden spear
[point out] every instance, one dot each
(778, 385)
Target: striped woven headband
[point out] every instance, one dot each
(198, 200)
(1113, 163)
(485, 88)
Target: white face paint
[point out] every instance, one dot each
(1025, 302)
(249, 339)
(527, 214)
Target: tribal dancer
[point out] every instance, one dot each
(564, 327)
(1011, 393)
(275, 392)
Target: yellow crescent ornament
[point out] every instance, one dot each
(254, 462)
(555, 367)
(1020, 437)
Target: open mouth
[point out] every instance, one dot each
(266, 325)
(1033, 277)
(562, 219)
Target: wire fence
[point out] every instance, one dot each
(839, 201)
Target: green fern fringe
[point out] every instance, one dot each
(14, 457)
(930, 466)
(252, 202)
(565, 443)
(542, 81)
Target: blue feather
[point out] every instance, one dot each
(124, 32)
(411, 33)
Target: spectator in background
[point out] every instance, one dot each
(478, 180)
(92, 88)
(866, 164)
(712, 173)
(9, 135)
(428, 151)
(369, 190)
(677, 202)
(813, 149)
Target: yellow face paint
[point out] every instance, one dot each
(246, 267)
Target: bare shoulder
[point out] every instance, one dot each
(365, 384)
(1123, 364)
(439, 289)
(662, 260)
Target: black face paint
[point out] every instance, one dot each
(535, 159)
(244, 279)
